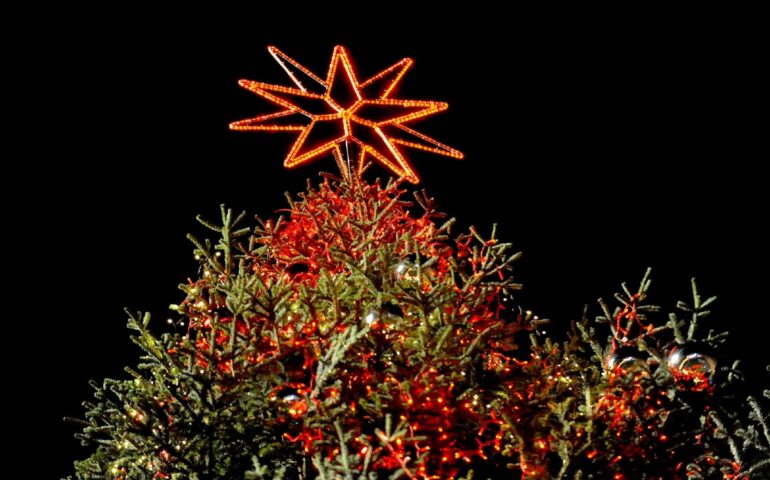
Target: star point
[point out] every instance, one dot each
(340, 113)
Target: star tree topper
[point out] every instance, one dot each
(339, 112)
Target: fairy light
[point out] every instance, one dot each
(311, 104)
(447, 425)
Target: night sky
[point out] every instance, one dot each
(598, 148)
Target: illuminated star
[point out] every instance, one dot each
(339, 112)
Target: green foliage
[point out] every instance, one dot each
(202, 404)
(315, 344)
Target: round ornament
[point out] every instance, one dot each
(626, 359)
(289, 399)
(692, 363)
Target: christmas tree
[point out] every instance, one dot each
(357, 336)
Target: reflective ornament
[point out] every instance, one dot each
(406, 269)
(410, 269)
(506, 302)
(626, 359)
(692, 363)
(372, 317)
(508, 310)
(387, 314)
(289, 399)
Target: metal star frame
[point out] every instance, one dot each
(341, 112)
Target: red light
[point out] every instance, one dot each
(367, 113)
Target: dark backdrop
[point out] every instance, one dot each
(599, 147)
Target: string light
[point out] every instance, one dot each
(364, 115)
(448, 417)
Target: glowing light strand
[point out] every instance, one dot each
(367, 108)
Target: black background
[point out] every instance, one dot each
(600, 147)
